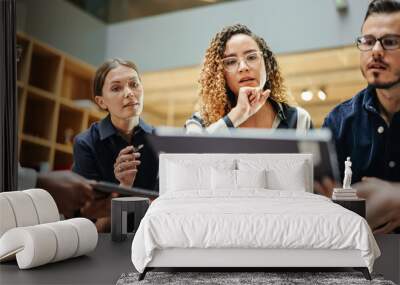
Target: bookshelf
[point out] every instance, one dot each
(49, 85)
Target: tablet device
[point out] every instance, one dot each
(107, 188)
(317, 142)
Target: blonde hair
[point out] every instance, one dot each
(215, 98)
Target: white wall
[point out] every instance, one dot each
(181, 38)
(65, 27)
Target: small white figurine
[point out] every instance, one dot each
(347, 174)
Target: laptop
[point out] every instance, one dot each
(317, 142)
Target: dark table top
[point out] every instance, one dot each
(104, 265)
(110, 259)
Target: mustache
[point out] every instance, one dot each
(378, 61)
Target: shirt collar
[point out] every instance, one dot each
(145, 127)
(107, 129)
(278, 107)
(370, 102)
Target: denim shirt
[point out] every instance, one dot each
(362, 134)
(97, 148)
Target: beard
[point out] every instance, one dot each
(382, 85)
(385, 85)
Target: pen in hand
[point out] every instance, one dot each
(139, 147)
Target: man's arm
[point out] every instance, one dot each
(69, 190)
(383, 203)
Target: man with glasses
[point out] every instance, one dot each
(367, 127)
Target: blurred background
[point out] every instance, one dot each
(63, 41)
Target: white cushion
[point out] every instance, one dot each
(7, 217)
(40, 244)
(87, 235)
(181, 177)
(31, 246)
(34, 244)
(193, 175)
(251, 178)
(26, 208)
(292, 180)
(67, 239)
(229, 161)
(23, 208)
(226, 179)
(45, 205)
(282, 174)
(223, 179)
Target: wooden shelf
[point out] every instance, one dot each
(67, 148)
(41, 93)
(39, 116)
(94, 117)
(45, 68)
(20, 98)
(48, 82)
(77, 81)
(69, 123)
(63, 160)
(36, 140)
(24, 61)
(34, 155)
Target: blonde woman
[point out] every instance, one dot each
(114, 149)
(241, 87)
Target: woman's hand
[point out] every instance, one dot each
(125, 166)
(250, 100)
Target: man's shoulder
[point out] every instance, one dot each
(348, 108)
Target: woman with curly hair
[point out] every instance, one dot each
(241, 86)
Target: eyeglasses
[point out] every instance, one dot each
(231, 64)
(388, 42)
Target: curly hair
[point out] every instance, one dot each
(215, 98)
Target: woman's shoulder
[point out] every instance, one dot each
(196, 119)
(296, 117)
(302, 113)
(148, 128)
(88, 136)
(303, 119)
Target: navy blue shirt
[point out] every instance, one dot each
(362, 134)
(97, 148)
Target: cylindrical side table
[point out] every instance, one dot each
(120, 209)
